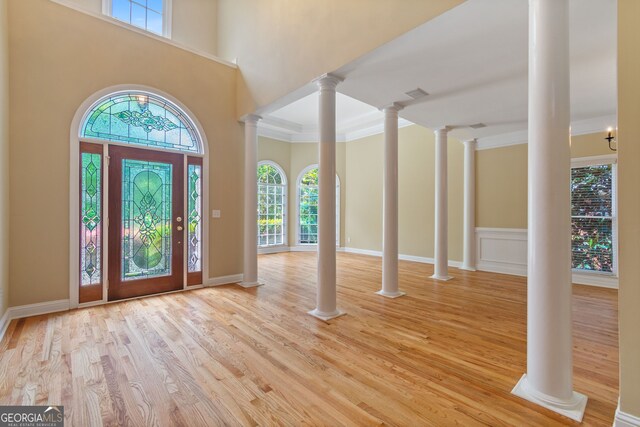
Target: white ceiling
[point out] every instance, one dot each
(472, 61)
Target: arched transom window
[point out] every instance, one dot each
(141, 118)
(308, 207)
(272, 203)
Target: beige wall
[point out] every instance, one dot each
(501, 180)
(416, 193)
(4, 158)
(294, 158)
(281, 45)
(193, 21)
(629, 203)
(58, 58)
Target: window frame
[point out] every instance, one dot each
(338, 212)
(285, 206)
(167, 12)
(603, 160)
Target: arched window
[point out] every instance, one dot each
(272, 204)
(141, 118)
(308, 207)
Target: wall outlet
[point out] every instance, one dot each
(215, 213)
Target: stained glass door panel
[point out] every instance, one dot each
(147, 230)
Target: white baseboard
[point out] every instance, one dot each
(29, 310)
(623, 419)
(422, 260)
(224, 280)
(273, 250)
(303, 248)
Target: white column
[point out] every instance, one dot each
(390, 205)
(469, 221)
(250, 270)
(441, 264)
(549, 378)
(326, 307)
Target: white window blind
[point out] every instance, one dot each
(592, 218)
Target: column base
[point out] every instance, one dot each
(390, 294)
(441, 278)
(572, 408)
(468, 268)
(250, 284)
(326, 316)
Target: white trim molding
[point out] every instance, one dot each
(578, 127)
(4, 323)
(402, 257)
(624, 419)
(504, 250)
(20, 311)
(224, 280)
(273, 249)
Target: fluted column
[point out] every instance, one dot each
(441, 263)
(326, 307)
(390, 205)
(469, 214)
(549, 378)
(250, 269)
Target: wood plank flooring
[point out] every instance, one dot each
(446, 354)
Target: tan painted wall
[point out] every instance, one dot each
(58, 58)
(501, 180)
(416, 193)
(281, 45)
(4, 158)
(294, 158)
(193, 21)
(629, 203)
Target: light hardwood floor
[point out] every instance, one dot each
(446, 354)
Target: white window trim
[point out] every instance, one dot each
(167, 13)
(338, 212)
(285, 205)
(607, 159)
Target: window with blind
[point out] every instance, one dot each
(592, 218)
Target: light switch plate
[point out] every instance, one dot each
(215, 213)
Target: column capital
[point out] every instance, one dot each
(443, 129)
(250, 119)
(394, 106)
(328, 81)
(471, 142)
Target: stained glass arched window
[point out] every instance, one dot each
(141, 118)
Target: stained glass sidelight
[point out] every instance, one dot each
(144, 119)
(91, 222)
(146, 219)
(194, 173)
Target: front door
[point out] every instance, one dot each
(146, 205)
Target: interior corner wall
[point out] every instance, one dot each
(416, 197)
(294, 158)
(4, 158)
(58, 58)
(629, 204)
(501, 180)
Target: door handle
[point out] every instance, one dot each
(179, 228)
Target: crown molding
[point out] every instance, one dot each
(578, 127)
